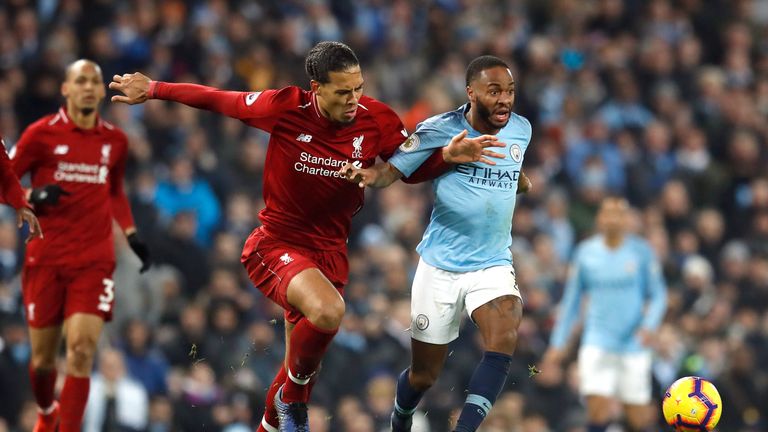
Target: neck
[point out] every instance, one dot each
(320, 109)
(83, 119)
(478, 123)
(614, 240)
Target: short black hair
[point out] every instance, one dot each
(327, 57)
(482, 63)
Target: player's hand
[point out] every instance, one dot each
(553, 357)
(362, 176)
(134, 86)
(24, 214)
(47, 195)
(462, 149)
(141, 250)
(524, 184)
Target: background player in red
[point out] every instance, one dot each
(12, 194)
(76, 161)
(298, 258)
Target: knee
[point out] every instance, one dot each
(80, 353)
(43, 360)
(422, 380)
(503, 341)
(327, 315)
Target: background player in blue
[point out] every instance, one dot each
(465, 261)
(627, 300)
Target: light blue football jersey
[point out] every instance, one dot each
(625, 290)
(471, 223)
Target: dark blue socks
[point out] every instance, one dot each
(406, 398)
(484, 387)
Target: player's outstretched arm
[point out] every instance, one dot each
(463, 150)
(379, 176)
(137, 88)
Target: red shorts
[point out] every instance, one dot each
(54, 293)
(271, 264)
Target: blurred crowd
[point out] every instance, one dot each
(662, 101)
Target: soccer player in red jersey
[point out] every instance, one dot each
(12, 194)
(76, 161)
(298, 257)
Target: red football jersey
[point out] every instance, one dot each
(307, 202)
(11, 192)
(89, 165)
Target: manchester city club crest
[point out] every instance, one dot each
(422, 322)
(516, 152)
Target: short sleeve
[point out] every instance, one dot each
(393, 132)
(418, 148)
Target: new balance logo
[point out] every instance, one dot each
(286, 259)
(304, 138)
(61, 149)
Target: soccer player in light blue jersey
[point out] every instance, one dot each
(466, 263)
(621, 278)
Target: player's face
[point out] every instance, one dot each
(338, 98)
(613, 215)
(84, 86)
(492, 94)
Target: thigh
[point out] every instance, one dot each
(83, 328)
(90, 290)
(635, 379)
(43, 294)
(598, 372)
(498, 321)
(486, 285)
(436, 305)
(272, 265)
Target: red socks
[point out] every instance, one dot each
(307, 347)
(43, 384)
(270, 414)
(74, 395)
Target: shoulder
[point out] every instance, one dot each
(587, 245)
(640, 245)
(284, 98)
(380, 112)
(112, 131)
(520, 124)
(441, 125)
(375, 107)
(47, 123)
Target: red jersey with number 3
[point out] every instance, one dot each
(88, 164)
(307, 202)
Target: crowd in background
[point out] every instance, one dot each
(662, 101)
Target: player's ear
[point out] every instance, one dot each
(470, 93)
(314, 85)
(64, 89)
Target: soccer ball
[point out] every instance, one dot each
(692, 404)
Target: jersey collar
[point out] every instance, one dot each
(67, 122)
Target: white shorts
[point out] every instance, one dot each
(439, 297)
(626, 376)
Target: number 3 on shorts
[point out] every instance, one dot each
(105, 300)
